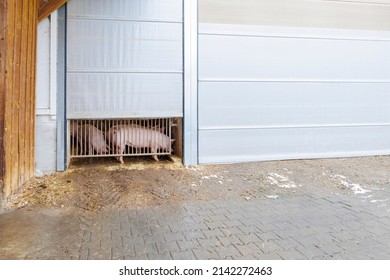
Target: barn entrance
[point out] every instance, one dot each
(124, 78)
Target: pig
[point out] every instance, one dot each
(137, 137)
(93, 138)
(75, 133)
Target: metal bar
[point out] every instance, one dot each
(82, 131)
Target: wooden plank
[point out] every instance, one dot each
(49, 7)
(32, 101)
(9, 89)
(3, 80)
(30, 70)
(15, 98)
(22, 93)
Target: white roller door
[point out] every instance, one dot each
(275, 83)
(124, 58)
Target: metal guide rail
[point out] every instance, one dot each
(119, 137)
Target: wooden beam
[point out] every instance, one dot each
(49, 7)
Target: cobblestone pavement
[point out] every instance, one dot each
(305, 227)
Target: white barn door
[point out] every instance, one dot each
(124, 58)
(293, 79)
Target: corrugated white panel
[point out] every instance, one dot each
(125, 59)
(285, 58)
(284, 104)
(124, 95)
(121, 46)
(293, 94)
(223, 146)
(337, 14)
(154, 10)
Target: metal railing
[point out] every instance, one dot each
(119, 137)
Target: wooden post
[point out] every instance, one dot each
(18, 29)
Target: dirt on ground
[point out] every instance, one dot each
(93, 184)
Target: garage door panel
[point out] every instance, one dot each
(284, 58)
(124, 46)
(224, 146)
(124, 95)
(167, 10)
(254, 104)
(270, 93)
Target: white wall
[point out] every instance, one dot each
(46, 127)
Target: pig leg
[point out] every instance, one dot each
(119, 150)
(90, 151)
(154, 150)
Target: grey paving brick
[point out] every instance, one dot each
(269, 235)
(267, 256)
(167, 247)
(186, 255)
(231, 231)
(205, 254)
(215, 225)
(139, 231)
(310, 251)
(287, 243)
(163, 256)
(249, 229)
(159, 229)
(142, 249)
(155, 238)
(208, 242)
(248, 238)
(247, 249)
(228, 251)
(268, 247)
(191, 235)
(212, 233)
(188, 245)
(232, 223)
(169, 237)
(230, 240)
(292, 254)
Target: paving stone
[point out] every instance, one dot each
(287, 243)
(208, 242)
(191, 235)
(231, 231)
(205, 254)
(142, 249)
(212, 233)
(267, 256)
(163, 256)
(268, 247)
(292, 254)
(169, 237)
(155, 238)
(168, 247)
(248, 238)
(188, 245)
(269, 235)
(186, 255)
(310, 251)
(227, 251)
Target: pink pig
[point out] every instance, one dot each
(138, 137)
(94, 139)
